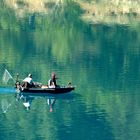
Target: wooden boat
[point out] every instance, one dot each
(57, 90)
(38, 88)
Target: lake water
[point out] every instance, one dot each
(102, 61)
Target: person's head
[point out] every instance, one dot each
(53, 75)
(30, 75)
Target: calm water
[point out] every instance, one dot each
(103, 61)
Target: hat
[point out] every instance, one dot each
(29, 75)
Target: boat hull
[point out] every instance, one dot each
(48, 90)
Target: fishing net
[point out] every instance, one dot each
(6, 77)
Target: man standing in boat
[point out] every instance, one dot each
(52, 81)
(28, 82)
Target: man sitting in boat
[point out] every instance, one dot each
(52, 81)
(28, 82)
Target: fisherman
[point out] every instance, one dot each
(52, 81)
(28, 82)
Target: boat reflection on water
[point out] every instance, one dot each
(50, 99)
(27, 100)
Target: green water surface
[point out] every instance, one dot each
(102, 61)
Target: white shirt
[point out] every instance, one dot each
(28, 80)
(49, 84)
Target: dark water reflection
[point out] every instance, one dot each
(101, 60)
